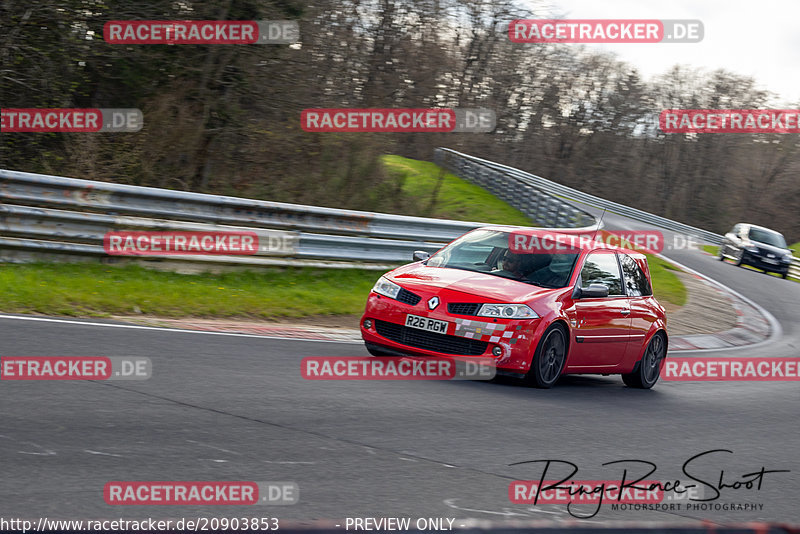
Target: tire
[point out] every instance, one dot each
(784, 275)
(647, 370)
(740, 258)
(549, 359)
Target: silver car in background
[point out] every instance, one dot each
(759, 247)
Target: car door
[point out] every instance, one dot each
(602, 325)
(639, 292)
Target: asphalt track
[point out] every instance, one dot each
(222, 407)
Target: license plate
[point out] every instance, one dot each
(426, 323)
(770, 261)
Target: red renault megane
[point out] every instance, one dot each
(539, 304)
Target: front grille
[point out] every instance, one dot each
(463, 308)
(421, 339)
(407, 297)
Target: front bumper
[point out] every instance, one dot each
(466, 335)
(775, 265)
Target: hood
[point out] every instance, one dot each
(770, 249)
(479, 285)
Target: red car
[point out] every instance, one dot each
(540, 307)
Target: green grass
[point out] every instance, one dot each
(455, 199)
(86, 289)
(666, 285)
(100, 290)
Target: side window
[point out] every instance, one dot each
(602, 268)
(636, 282)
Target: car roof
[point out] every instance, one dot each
(760, 228)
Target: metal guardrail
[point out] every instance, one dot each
(794, 269)
(477, 169)
(27, 231)
(543, 208)
(57, 219)
(121, 199)
(469, 166)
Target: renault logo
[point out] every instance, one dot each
(433, 302)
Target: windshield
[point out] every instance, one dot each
(767, 237)
(487, 251)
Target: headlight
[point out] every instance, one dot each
(507, 311)
(788, 258)
(386, 288)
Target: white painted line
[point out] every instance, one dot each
(179, 330)
(102, 453)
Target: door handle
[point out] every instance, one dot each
(625, 311)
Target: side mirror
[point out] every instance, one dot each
(420, 255)
(791, 250)
(594, 291)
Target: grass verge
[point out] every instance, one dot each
(666, 285)
(431, 193)
(101, 291)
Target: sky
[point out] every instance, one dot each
(758, 38)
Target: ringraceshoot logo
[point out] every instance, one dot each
(70, 120)
(188, 32)
(434, 120)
